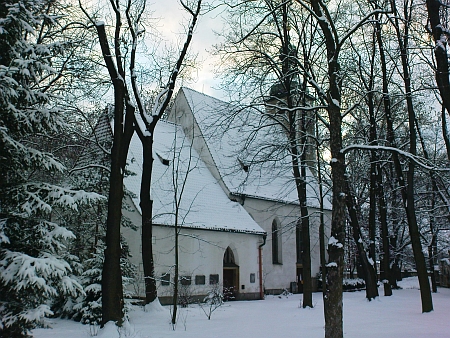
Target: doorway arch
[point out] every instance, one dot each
(230, 275)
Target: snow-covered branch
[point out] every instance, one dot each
(416, 159)
(89, 166)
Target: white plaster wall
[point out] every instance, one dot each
(275, 276)
(201, 253)
(279, 276)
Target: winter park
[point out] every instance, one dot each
(194, 168)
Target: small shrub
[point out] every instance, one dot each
(354, 284)
(212, 301)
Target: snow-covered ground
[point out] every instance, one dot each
(282, 316)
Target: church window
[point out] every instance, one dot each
(276, 242)
(165, 279)
(213, 279)
(200, 280)
(185, 280)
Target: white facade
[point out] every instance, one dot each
(267, 193)
(219, 242)
(201, 257)
(228, 211)
(279, 276)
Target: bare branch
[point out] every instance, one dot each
(416, 159)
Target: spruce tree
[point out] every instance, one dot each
(34, 266)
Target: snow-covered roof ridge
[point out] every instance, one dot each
(238, 161)
(204, 205)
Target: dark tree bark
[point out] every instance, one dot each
(300, 175)
(432, 247)
(376, 193)
(385, 272)
(288, 75)
(146, 138)
(112, 293)
(335, 267)
(147, 209)
(176, 277)
(333, 309)
(390, 137)
(322, 248)
(408, 188)
(445, 133)
(440, 35)
(369, 270)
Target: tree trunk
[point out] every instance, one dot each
(333, 306)
(322, 249)
(434, 193)
(368, 266)
(302, 233)
(146, 205)
(376, 187)
(335, 268)
(391, 139)
(385, 272)
(176, 277)
(407, 189)
(440, 51)
(112, 292)
(373, 161)
(431, 263)
(445, 133)
(300, 180)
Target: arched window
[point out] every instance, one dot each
(276, 242)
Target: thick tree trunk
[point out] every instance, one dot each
(289, 70)
(112, 293)
(333, 305)
(146, 209)
(373, 160)
(372, 211)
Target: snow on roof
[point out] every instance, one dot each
(177, 167)
(249, 158)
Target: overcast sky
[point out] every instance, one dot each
(172, 18)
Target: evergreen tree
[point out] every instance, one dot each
(34, 265)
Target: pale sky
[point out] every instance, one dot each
(173, 20)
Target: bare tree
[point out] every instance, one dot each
(112, 292)
(407, 189)
(270, 57)
(145, 133)
(180, 174)
(124, 125)
(334, 41)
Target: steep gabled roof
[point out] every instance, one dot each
(252, 160)
(178, 167)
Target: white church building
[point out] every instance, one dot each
(236, 214)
